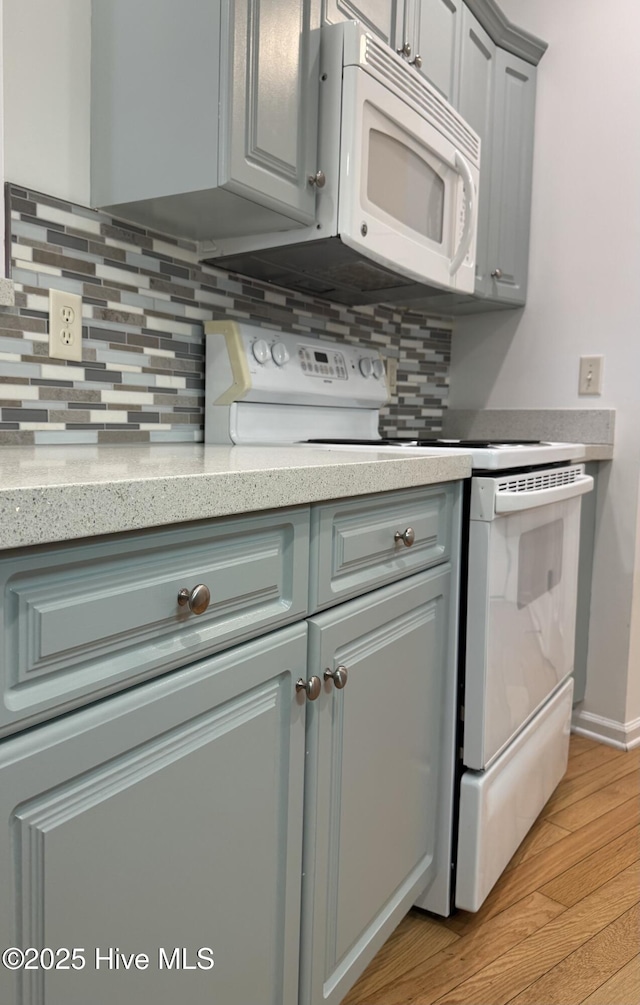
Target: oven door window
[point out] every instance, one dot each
(539, 562)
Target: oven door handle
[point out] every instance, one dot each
(512, 502)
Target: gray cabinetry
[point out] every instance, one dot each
(385, 18)
(165, 818)
(204, 115)
(377, 751)
(437, 27)
(80, 620)
(503, 274)
(245, 804)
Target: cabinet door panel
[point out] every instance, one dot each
(437, 34)
(511, 174)
(375, 751)
(150, 822)
(382, 17)
(269, 124)
(475, 104)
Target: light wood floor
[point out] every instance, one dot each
(562, 925)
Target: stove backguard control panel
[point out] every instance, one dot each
(252, 364)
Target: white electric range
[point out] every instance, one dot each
(519, 583)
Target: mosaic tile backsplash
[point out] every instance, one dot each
(145, 299)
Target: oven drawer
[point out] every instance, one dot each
(498, 806)
(83, 619)
(362, 543)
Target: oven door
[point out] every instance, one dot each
(407, 196)
(521, 603)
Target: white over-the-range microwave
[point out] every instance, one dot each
(397, 187)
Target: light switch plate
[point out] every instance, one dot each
(590, 380)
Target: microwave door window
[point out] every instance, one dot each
(403, 185)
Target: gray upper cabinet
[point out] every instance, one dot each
(384, 18)
(204, 115)
(504, 272)
(475, 102)
(486, 68)
(437, 27)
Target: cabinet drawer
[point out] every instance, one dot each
(357, 545)
(80, 620)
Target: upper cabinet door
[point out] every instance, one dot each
(385, 18)
(511, 171)
(437, 26)
(475, 102)
(269, 100)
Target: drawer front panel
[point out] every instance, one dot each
(354, 546)
(84, 619)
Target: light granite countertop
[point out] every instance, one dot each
(56, 493)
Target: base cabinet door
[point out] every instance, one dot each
(153, 841)
(374, 756)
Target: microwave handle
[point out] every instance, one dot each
(470, 213)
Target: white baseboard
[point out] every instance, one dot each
(623, 735)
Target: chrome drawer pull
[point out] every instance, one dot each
(311, 686)
(407, 537)
(198, 599)
(338, 676)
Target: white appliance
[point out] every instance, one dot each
(518, 599)
(397, 186)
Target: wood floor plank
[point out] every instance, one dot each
(579, 744)
(595, 870)
(583, 971)
(429, 979)
(571, 790)
(600, 754)
(418, 937)
(509, 974)
(553, 861)
(621, 989)
(539, 837)
(596, 804)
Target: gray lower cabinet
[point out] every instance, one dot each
(165, 821)
(376, 756)
(204, 114)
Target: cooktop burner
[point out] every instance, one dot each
(426, 442)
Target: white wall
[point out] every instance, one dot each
(584, 296)
(46, 70)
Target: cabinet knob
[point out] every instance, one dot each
(496, 274)
(319, 179)
(338, 676)
(197, 599)
(417, 62)
(407, 537)
(405, 50)
(312, 686)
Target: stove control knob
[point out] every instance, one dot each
(366, 366)
(378, 369)
(280, 353)
(261, 351)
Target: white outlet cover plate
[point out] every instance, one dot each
(65, 325)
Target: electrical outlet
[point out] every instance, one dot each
(590, 380)
(65, 325)
(391, 367)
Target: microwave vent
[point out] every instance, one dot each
(422, 95)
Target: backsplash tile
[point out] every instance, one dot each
(145, 298)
